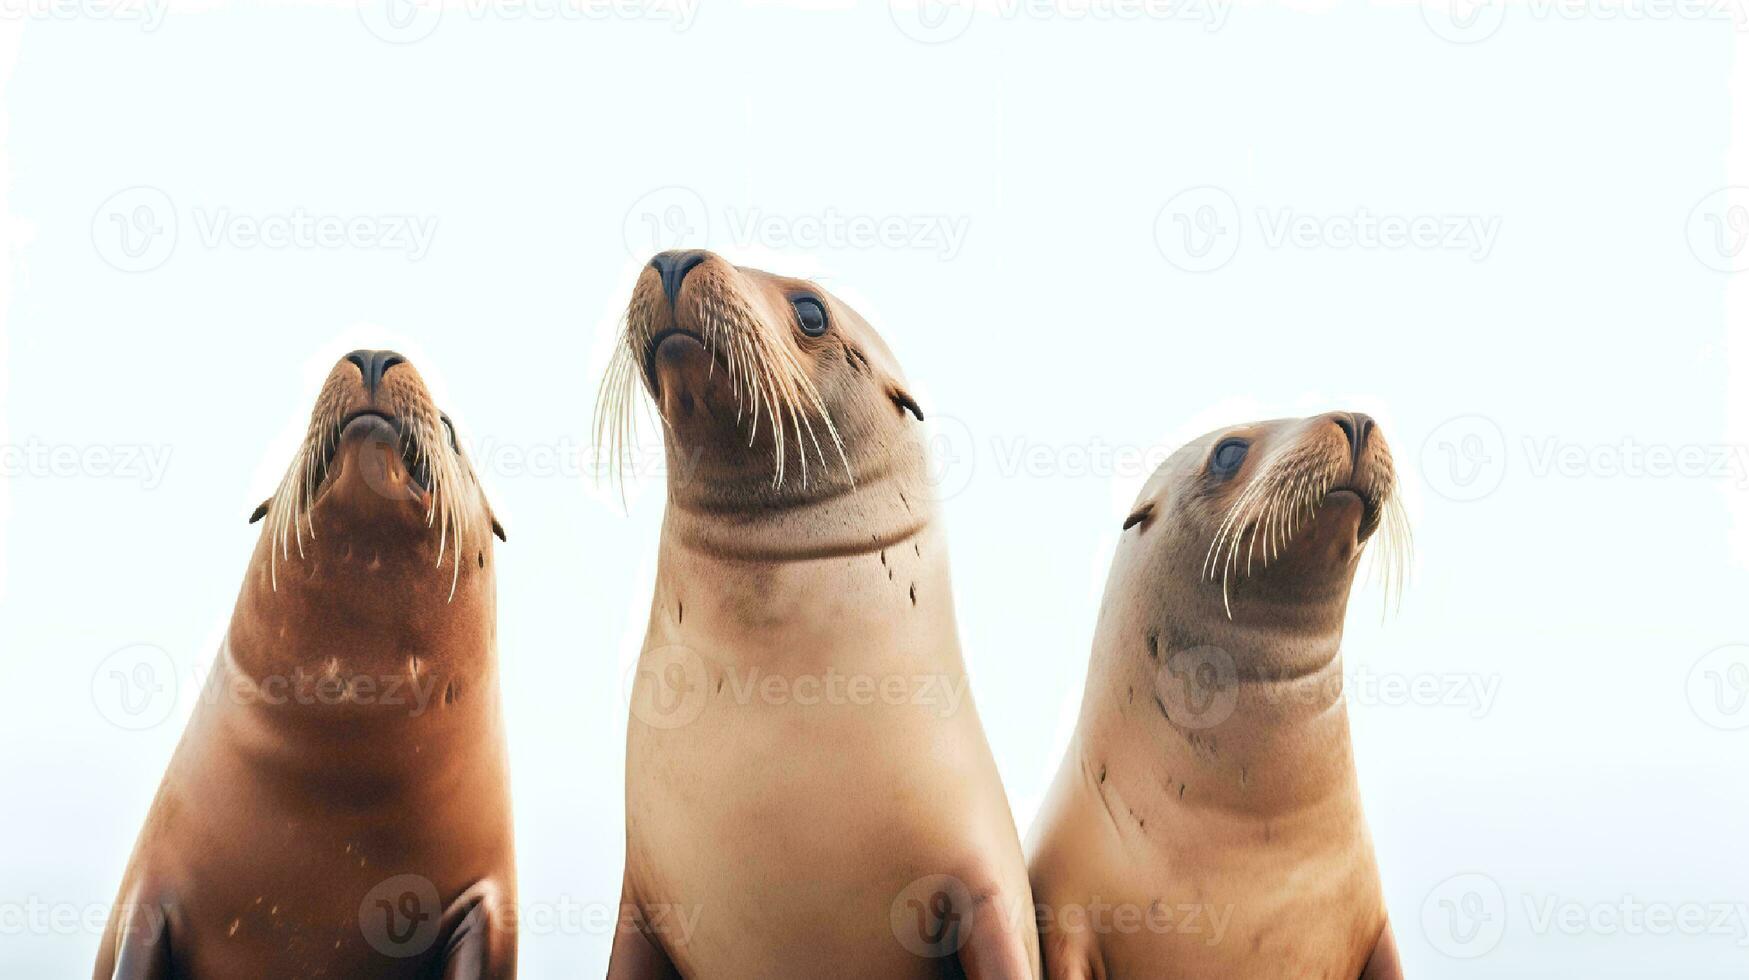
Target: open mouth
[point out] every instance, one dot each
(1369, 509)
(661, 337)
(373, 424)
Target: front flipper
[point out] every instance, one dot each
(1004, 940)
(139, 942)
(482, 941)
(1070, 956)
(1383, 964)
(636, 954)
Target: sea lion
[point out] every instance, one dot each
(808, 788)
(1206, 819)
(339, 805)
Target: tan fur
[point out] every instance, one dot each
(794, 829)
(1206, 820)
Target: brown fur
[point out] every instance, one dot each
(350, 730)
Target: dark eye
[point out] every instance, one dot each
(811, 313)
(1228, 457)
(447, 424)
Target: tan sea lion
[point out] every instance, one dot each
(339, 805)
(808, 788)
(1206, 820)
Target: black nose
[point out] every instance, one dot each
(373, 364)
(673, 267)
(1356, 426)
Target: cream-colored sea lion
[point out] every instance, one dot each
(808, 788)
(1206, 821)
(339, 805)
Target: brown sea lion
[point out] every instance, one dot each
(339, 805)
(1206, 821)
(807, 782)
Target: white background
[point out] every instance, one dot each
(555, 153)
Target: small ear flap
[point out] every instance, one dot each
(261, 511)
(498, 529)
(1139, 516)
(903, 399)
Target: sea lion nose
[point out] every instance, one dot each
(1356, 426)
(673, 266)
(373, 364)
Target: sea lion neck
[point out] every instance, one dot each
(363, 603)
(1244, 715)
(877, 500)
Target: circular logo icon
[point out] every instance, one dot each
(951, 456)
(1718, 687)
(932, 917)
(665, 218)
(1464, 21)
(381, 464)
(1464, 916)
(401, 915)
(135, 687)
(932, 21)
(1198, 687)
(400, 21)
(668, 687)
(135, 229)
(1464, 459)
(1198, 229)
(1718, 230)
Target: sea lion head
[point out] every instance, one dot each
(771, 390)
(1270, 517)
(379, 479)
